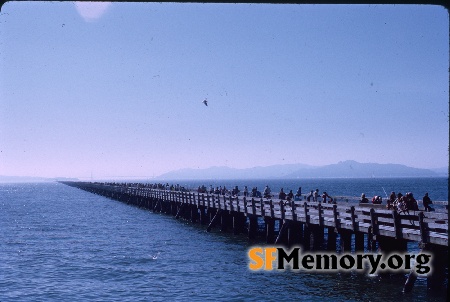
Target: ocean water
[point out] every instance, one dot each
(59, 243)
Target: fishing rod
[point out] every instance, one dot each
(385, 192)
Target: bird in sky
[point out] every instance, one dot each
(205, 102)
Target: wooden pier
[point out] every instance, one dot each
(348, 228)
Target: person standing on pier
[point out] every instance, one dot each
(325, 196)
(224, 191)
(235, 191)
(298, 195)
(290, 195)
(364, 199)
(316, 195)
(411, 202)
(267, 192)
(426, 203)
(245, 191)
(310, 195)
(390, 202)
(282, 195)
(399, 204)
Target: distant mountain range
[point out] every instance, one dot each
(232, 173)
(344, 169)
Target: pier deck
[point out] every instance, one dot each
(419, 226)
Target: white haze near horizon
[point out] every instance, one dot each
(116, 89)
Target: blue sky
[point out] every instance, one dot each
(116, 89)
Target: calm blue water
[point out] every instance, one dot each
(58, 243)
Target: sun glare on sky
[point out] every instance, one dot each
(91, 11)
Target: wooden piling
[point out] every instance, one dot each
(214, 220)
(317, 237)
(194, 213)
(283, 235)
(345, 241)
(225, 221)
(282, 238)
(306, 242)
(295, 236)
(359, 242)
(203, 216)
(238, 220)
(252, 226)
(331, 239)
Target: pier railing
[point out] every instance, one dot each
(420, 226)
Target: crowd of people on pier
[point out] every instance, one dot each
(314, 196)
(401, 202)
(394, 201)
(398, 201)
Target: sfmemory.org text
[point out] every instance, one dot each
(264, 258)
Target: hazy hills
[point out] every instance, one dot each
(345, 169)
(276, 171)
(352, 168)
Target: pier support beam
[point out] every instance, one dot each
(269, 224)
(214, 220)
(389, 245)
(317, 236)
(345, 242)
(194, 213)
(439, 263)
(187, 211)
(238, 223)
(295, 233)
(252, 226)
(283, 232)
(180, 210)
(371, 241)
(146, 204)
(225, 221)
(331, 239)
(211, 213)
(155, 205)
(173, 208)
(359, 242)
(306, 237)
(168, 207)
(203, 216)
